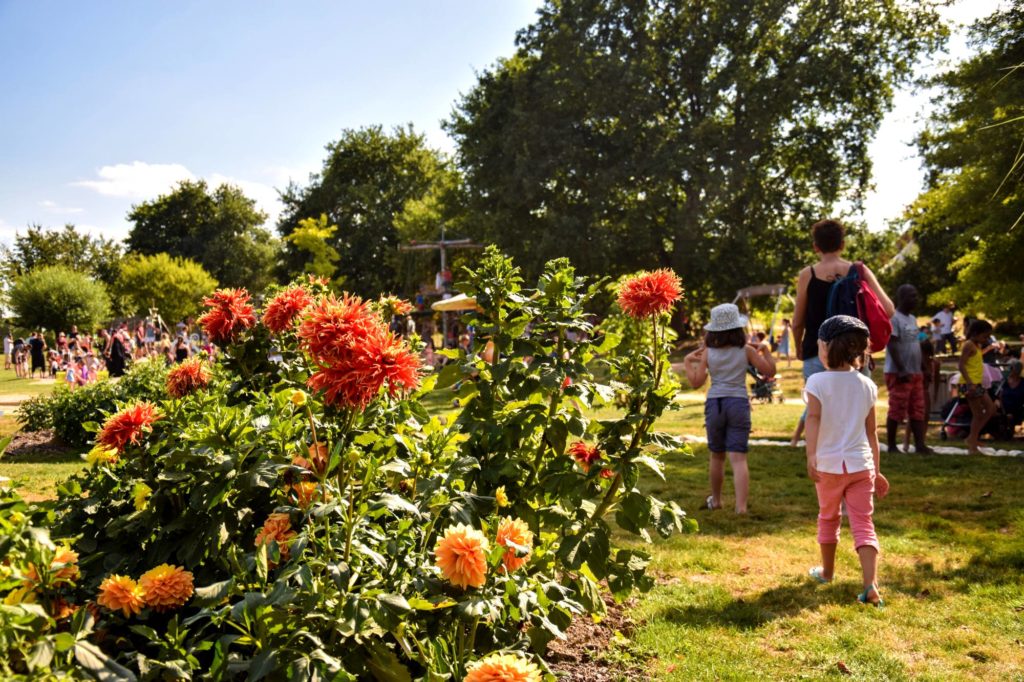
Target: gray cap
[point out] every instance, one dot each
(841, 324)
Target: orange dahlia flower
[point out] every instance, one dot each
(503, 668)
(229, 315)
(306, 493)
(517, 532)
(128, 426)
(355, 353)
(121, 593)
(66, 559)
(277, 528)
(584, 454)
(191, 375)
(166, 587)
(461, 554)
(650, 293)
(280, 313)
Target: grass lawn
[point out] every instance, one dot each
(735, 603)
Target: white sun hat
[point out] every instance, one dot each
(724, 317)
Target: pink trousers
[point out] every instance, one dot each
(857, 490)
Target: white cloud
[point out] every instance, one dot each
(141, 180)
(137, 180)
(54, 207)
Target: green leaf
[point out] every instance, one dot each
(652, 464)
(384, 664)
(64, 641)
(214, 593)
(262, 665)
(396, 602)
(439, 602)
(101, 666)
(449, 375)
(41, 654)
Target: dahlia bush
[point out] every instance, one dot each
(296, 512)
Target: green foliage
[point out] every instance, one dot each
(68, 411)
(219, 229)
(39, 247)
(368, 181)
(56, 297)
(312, 236)
(174, 286)
(966, 225)
(705, 137)
(368, 492)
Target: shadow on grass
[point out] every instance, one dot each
(43, 456)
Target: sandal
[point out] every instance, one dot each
(709, 503)
(863, 597)
(818, 574)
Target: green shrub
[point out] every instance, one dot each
(67, 411)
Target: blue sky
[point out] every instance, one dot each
(105, 104)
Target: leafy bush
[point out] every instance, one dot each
(56, 297)
(67, 411)
(346, 533)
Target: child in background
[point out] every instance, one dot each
(842, 450)
(724, 355)
(972, 372)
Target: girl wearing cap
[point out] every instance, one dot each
(724, 355)
(842, 449)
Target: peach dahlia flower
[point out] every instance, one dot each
(461, 554)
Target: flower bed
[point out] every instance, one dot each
(310, 518)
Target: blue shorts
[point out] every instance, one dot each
(727, 421)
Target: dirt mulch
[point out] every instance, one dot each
(581, 656)
(30, 442)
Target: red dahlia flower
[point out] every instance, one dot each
(188, 377)
(128, 426)
(230, 313)
(584, 454)
(334, 327)
(650, 293)
(282, 310)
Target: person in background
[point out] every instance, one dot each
(37, 352)
(787, 330)
(410, 327)
(904, 376)
(8, 350)
(182, 350)
(945, 320)
(813, 287)
(1012, 397)
(843, 458)
(972, 374)
(69, 376)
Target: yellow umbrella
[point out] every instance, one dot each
(455, 303)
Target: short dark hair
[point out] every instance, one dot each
(846, 348)
(760, 335)
(828, 235)
(725, 339)
(979, 327)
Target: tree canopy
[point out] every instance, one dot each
(39, 247)
(174, 286)
(367, 182)
(55, 297)
(705, 137)
(968, 226)
(219, 229)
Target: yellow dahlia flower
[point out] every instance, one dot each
(501, 497)
(141, 494)
(101, 454)
(503, 668)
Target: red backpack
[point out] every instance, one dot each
(871, 313)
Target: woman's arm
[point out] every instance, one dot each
(800, 312)
(812, 424)
(696, 366)
(879, 292)
(764, 363)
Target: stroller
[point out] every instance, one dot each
(763, 389)
(956, 414)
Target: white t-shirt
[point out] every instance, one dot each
(846, 399)
(945, 321)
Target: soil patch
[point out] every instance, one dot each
(588, 653)
(32, 442)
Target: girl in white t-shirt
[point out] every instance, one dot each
(842, 449)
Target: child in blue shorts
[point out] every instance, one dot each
(724, 355)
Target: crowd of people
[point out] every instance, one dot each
(76, 358)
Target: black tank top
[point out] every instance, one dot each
(817, 302)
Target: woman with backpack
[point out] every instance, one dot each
(814, 286)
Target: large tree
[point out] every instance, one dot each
(39, 247)
(219, 229)
(371, 181)
(968, 226)
(702, 136)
